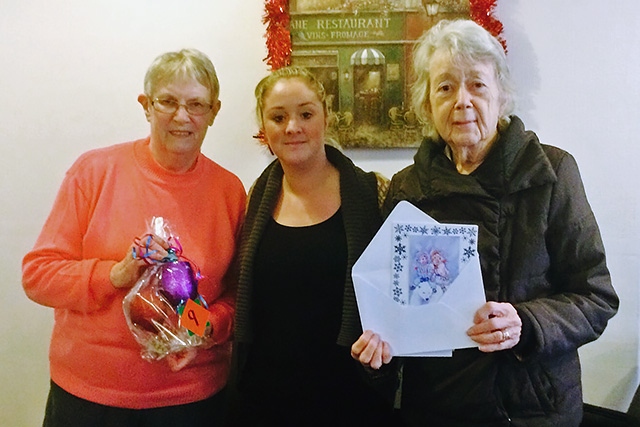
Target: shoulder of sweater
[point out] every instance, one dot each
(269, 175)
(109, 150)
(269, 182)
(218, 169)
(102, 157)
(345, 164)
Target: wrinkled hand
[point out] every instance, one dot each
(497, 326)
(371, 351)
(125, 273)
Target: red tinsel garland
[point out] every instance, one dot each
(278, 37)
(276, 18)
(482, 12)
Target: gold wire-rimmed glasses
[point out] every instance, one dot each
(170, 106)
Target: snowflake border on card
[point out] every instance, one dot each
(466, 235)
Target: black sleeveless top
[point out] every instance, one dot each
(296, 374)
(297, 299)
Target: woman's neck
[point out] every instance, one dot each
(304, 180)
(469, 158)
(174, 162)
(309, 196)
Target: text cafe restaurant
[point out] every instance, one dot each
(364, 61)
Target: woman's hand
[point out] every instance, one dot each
(125, 273)
(497, 326)
(371, 351)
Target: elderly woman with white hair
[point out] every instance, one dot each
(544, 271)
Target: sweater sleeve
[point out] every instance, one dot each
(54, 271)
(584, 299)
(223, 310)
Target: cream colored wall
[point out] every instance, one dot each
(71, 71)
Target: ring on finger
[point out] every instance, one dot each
(505, 335)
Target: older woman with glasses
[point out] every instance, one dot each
(83, 263)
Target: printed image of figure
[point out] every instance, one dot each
(425, 293)
(422, 267)
(431, 277)
(439, 272)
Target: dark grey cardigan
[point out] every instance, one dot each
(361, 216)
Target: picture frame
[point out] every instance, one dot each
(361, 51)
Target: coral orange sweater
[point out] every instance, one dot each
(107, 198)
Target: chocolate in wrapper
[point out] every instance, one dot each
(178, 282)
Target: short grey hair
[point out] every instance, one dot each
(466, 41)
(183, 63)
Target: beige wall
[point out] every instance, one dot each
(71, 71)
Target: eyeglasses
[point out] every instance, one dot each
(170, 106)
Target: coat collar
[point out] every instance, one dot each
(516, 162)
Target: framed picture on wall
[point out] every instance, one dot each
(361, 50)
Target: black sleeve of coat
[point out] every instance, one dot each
(583, 298)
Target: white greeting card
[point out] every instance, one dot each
(418, 283)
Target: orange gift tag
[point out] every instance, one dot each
(194, 317)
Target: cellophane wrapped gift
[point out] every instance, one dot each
(154, 306)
